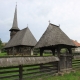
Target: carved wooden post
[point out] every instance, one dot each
(70, 52)
(41, 52)
(13, 51)
(22, 51)
(53, 52)
(20, 72)
(31, 51)
(58, 54)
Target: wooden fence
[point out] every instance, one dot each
(76, 64)
(26, 72)
(76, 61)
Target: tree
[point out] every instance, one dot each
(0, 45)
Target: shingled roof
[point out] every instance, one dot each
(23, 37)
(54, 36)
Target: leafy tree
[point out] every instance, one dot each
(0, 45)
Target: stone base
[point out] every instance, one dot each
(63, 71)
(68, 70)
(60, 73)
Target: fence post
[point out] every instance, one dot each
(20, 72)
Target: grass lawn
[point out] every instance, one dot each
(70, 76)
(3, 54)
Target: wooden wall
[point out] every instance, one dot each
(19, 50)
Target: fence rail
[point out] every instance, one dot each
(76, 64)
(28, 71)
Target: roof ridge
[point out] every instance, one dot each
(54, 25)
(23, 29)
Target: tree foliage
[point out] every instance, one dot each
(0, 45)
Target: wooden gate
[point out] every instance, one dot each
(65, 62)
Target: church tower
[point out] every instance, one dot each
(14, 28)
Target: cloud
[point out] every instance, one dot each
(37, 13)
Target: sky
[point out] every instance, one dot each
(37, 13)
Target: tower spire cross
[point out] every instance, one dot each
(16, 3)
(49, 21)
(27, 25)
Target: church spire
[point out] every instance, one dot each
(15, 24)
(14, 28)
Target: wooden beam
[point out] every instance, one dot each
(20, 72)
(41, 52)
(58, 54)
(53, 52)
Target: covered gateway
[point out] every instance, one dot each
(55, 39)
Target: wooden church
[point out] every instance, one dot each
(21, 41)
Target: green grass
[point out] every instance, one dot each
(70, 76)
(3, 54)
